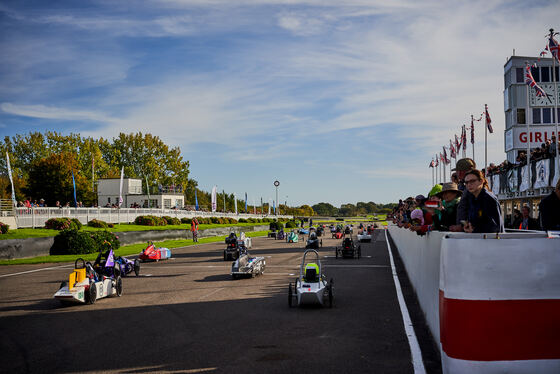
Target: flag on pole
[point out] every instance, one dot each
(195, 200)
(245, 202)
(437, 161)
(120, 188)
(553, 47)
(235, 202)
(74, 184)
(268, 206)
(274, 206)
(530, 81)
(11, 180)
(432, 164)
(445, 159)
(488, 120)
(464, 137)
(214, 198)
(452, 149)
(457, 143)
(472, 130)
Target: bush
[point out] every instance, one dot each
(242, 220)
(72, 241)
(97, 223)
(4, 228)
(172, 220)
(110, 225)
(150, 221)
(63, 223)
(186, 220)
(77, 223)
(291, 224)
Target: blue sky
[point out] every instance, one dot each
(341, 101)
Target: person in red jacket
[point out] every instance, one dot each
(194, 229)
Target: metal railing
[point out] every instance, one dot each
(36, 217)
(7, 208)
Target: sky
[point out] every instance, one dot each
(340, 101)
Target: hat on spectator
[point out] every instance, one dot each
(420, 198)
(465, 164)
(449, 187)
(417, 214)
(435, 190)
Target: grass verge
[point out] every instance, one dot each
(38, 233)
(122, 251)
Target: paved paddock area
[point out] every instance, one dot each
(187, 315)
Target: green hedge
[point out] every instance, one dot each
(63, 223)
(98, 223)
(73, 241)
(150, 221)
(291, 224)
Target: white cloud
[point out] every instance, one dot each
(45, 112)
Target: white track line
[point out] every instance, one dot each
(33, 271)
(210, 293)
(417, 362)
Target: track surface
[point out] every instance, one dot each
(187, 315)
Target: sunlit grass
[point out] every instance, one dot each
(122, 251)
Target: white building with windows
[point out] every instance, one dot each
(537, 111)
(164, 197)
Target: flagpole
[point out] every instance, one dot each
(555, 83)
(472, 129)
(433, 177)
(528, 133)
(485, 142)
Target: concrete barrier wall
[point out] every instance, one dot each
(495, 305)
(420, 255)
(32, 247)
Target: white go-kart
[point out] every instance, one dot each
(311, 287)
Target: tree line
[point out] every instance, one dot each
(351, 210)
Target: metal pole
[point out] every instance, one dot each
(472, 125)
(485, 142)
(528, 135)
(555, 84)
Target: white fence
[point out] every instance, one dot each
(36, 217)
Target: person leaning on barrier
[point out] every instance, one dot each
(462, 167)
(484, 214)
(549, 209)
(446, 213)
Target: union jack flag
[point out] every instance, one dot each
(464, 137)
(457, 143)
(452, 150)
(488, 120)
(553, 47)
(472, 129)
(437, 161)
(432, 164)
(445, 159)
(530, 81)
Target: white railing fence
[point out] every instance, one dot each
(36, 217)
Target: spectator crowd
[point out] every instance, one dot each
(466, 204)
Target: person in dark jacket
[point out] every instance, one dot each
(549, 209)
(463, 166)
(527, 222)
(483, 209)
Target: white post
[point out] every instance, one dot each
(433, 177)
(528, 135)
(555, 85)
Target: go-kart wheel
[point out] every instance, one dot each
(290, 295)
(136, 267)
(225, 256)
(116, 270)
(63, 284)
(82, 263)
(91, 294)
(119, 286)
(321, 242)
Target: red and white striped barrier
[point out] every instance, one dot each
(499, 303)
(497, 307)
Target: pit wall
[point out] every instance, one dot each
(33, 247)
(492, 303)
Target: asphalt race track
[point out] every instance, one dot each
(187, 315)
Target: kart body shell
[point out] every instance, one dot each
(292, 237)
(127, 266)
(151, 253)
(236, 246)
(348, 249)
(311, 286)
(281, 235)
(338, 235)
(85, 285)
(247, 266)
(364, 236)
(303, 231)
(313, 241)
